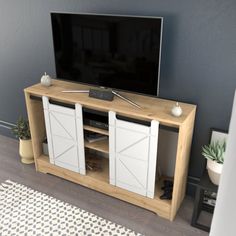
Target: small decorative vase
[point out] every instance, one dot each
(46, 80)
(176, 110)
(26, 151)
(214, 170)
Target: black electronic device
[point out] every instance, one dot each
(101, 93)
(96, 124)
(95, 118)
(113, 51)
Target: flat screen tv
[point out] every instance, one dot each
(114, 51)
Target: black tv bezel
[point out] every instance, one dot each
(114, 15)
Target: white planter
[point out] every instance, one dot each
(214, 171)
(26, 151)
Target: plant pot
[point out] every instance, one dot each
(26, 151)
(214, 171)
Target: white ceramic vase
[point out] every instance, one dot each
(46, 80)
(26, 151)
(214, 171)
(176, 110)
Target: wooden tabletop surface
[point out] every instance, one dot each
(152, 108)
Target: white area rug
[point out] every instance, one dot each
(25, 212)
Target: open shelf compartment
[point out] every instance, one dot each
(97, 166)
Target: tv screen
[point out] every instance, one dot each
(120, 52)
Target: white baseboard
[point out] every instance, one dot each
(6, 125)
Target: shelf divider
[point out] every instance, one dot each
(101, 145)
(96, 130)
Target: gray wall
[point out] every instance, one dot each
(198, 59)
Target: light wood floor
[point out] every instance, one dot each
(120, 212)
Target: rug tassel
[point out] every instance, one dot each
(5, 185)
(9, 182)
(1, 188)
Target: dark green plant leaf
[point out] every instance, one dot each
(214, 151)
(22, 129)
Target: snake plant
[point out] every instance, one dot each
(214, 151)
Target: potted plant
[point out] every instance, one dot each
(215, 154)
(22, 131)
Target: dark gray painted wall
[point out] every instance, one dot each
(198, 59)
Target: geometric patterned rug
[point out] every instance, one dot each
(26, 212)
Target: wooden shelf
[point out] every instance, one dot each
(99, 181)
(44, 158)
(96, 130)
(101, 146)
(103, 176)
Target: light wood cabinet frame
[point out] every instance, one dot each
(152, 108)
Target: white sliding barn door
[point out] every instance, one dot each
(64, 126)
(133, 152)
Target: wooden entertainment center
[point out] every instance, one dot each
(153, 110)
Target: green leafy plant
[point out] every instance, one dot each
(214, 151)
(22, 130)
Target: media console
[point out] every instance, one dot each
(128, 172)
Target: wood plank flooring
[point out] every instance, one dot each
(120, 212)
